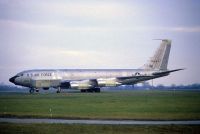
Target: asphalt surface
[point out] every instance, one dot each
(103, 122)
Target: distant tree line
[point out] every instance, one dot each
(147, 86)
(11, 88)
(173, 86)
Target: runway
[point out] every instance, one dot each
(100, 122)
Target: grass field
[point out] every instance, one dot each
(145, 104)
(96, 129)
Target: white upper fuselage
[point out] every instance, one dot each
(80, 74)
(27, 78)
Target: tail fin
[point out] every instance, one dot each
(160, 59)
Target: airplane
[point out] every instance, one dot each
(91, 80)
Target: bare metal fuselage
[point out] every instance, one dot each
(54, 78)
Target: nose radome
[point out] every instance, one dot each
(12, 79)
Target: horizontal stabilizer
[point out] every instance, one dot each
(167, 72)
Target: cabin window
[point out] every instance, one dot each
(36, 75)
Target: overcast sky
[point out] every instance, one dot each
(64, 34)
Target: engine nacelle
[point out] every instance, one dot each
(111, 82)
(45, 88)
(85, 84)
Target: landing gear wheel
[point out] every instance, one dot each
(83, 91)
(31, 90)
(90, 90)
(59, 90)
(97, 90)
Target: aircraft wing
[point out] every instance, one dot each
(166, 72)
(139, 78)
(86, 83)
(132, 77)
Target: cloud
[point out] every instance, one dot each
(59, 57)
(39, 56)
(68, 9)
(186, 29)
(61, 28)
(95, 10)
(48, 27)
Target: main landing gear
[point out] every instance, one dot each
(59, 90)
(97, 90)
(32, 90)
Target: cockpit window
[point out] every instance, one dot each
(20, 74)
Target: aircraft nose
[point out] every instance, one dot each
(12, 79)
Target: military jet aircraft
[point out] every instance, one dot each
(91, 80)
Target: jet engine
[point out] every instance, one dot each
(84, 84)
(110, 82)
(45, 88)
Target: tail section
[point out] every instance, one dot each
(160, 59)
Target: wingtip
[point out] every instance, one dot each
(167, 40)
(182, 68)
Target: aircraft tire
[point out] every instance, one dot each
(59, 90)
(97, 90)
(90, 90)
(83, 91)
(31, 91)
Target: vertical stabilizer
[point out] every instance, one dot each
(160, 59)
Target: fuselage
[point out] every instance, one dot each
(55, 77)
